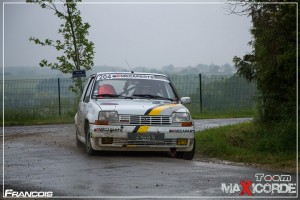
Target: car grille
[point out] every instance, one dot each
(146, 120)
(123, 141)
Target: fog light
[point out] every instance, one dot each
(186, 123)
(101, 122)
(182, 141)
(107, 140)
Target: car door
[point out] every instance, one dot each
(82, 108)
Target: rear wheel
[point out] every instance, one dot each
(189, 155)
(88, 146)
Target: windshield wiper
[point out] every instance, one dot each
(152, 97)
(111, 95)
(106, 95)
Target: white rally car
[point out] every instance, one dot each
(134, 112)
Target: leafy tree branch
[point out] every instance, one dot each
(272, 63)
(77, 51)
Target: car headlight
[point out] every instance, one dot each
(107, 117)
(181, 117)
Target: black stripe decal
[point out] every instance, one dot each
(150, 109)
(136, 129)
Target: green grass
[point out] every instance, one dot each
(14, 118)
(52, 120)
(224, 114)
(270, 146)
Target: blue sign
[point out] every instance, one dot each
(78, 73)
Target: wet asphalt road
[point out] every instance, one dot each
(46, 158)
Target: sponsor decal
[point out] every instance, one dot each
(108, 129)
(131, 76)
(262, 184)
(22, 194)
(181, 131)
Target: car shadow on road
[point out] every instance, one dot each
(81, 147)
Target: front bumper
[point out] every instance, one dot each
(142, 138)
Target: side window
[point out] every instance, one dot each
(88, 90)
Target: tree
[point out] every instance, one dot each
(272, 63)
(77, 50)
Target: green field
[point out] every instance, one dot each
(271, 146)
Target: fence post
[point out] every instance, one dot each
(59, 107)
(200, 95)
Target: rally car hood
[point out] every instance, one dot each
(140, 106)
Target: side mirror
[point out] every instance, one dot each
(185, 100)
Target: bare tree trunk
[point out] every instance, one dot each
(77, 61)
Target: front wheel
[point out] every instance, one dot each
(189, 155)
(77, 139)
(88, 146)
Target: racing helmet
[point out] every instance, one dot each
(107, 89)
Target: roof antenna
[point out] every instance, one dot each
(129, 66)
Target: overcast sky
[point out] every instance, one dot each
(146, 35)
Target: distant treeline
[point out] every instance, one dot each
(38, 72)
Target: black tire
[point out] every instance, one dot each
(189, 155)
(88, 147)
(78, 143)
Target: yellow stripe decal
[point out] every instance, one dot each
(159, 109)
(143, 129)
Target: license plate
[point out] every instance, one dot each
(146, 137)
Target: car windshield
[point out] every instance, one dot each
(133, 88)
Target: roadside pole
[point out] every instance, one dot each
(200, 93)
(59, 105)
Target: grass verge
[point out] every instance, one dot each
(58, 120)
(271, 146)
(224, 114)
(67, 119)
